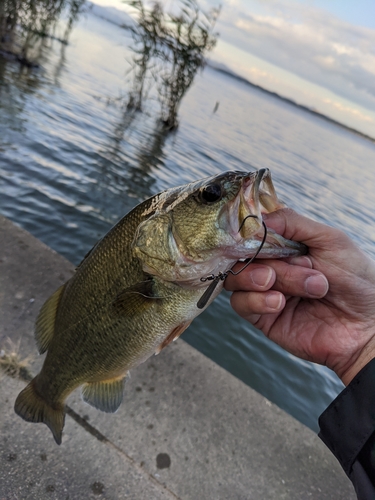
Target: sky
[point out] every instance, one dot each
(320, 53)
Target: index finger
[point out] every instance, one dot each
(259, 275)
(256, 277)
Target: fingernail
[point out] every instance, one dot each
(316, 286)
(261, 276)
(273, 300)
(301, 261)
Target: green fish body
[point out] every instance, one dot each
(138, 288)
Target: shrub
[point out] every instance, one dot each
(169, 49)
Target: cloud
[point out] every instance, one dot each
(348, 109)
(308, 41)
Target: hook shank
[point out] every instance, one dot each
(202, 302)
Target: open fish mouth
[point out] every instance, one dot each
(257, 197)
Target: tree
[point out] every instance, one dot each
(169, 49)
(25, 22)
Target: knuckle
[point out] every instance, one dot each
(287, 212)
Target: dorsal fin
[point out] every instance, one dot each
(45, 323)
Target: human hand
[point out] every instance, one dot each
(319, 307)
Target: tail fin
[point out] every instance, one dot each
(33, 408)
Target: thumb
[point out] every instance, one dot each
(330, 249)
(294, 226)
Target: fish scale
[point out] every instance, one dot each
(138, 288)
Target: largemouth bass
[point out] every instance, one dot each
(139, 288)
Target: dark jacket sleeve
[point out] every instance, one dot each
(347, 427)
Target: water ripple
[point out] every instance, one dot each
(71, 166)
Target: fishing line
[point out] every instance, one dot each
(202, 302)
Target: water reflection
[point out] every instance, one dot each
(27, 32)
(70, 166)
(130, 156)
(150, 155)
(56, 72)
(17, 83)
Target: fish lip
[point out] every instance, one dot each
(248, 204)
(276, 246)
(250, 189)
(257, 196)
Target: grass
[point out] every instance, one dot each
(11, 363)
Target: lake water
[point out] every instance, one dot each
(72, 164)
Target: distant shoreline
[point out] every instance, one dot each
(229, 73)
(98, 11)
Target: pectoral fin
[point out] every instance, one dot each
(137, 298)
(105, 395)
(175, 333)
(45, 323)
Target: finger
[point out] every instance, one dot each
(251, 305)
(256, 277)
(299, 281)
(303, 261)
(294, 226)
(330, 249)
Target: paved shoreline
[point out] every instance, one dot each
(187, 429)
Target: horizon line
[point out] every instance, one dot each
(242, 79)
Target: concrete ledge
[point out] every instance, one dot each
(187, 428)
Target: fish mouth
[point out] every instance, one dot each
(257, 196)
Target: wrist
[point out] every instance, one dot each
(364, 357)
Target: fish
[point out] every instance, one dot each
(140, 286)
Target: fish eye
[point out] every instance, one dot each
(211, 193)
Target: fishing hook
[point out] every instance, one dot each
(202, 302)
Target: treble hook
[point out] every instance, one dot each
(202, 302)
